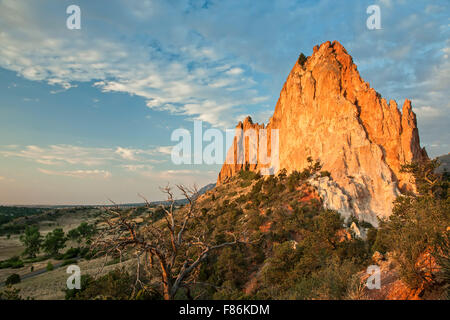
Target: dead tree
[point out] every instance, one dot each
(174, 246)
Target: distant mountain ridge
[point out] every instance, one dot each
(201, 191)
(445, 163)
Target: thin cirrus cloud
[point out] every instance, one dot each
(104, 174)
(137, 167)
(193, 60)
(87, 156)
(190, 79)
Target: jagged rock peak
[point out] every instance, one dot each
(328, 112)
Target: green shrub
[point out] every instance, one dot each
(302, 59)
(85, 253)
(228, 291)
(325, 174)
(249, 175)
(68, 262)
(10, 293)
(13, 262)
(418, 222)
(12, 279)
(17, 265)
(32, 241)
(255, 219)
(71, 253)
(37, 259)
(50, 266)
(54, 241)
(245, 184)
(85, 280)
(113, 261)
(282, 173)
(116, 285)
(365, 224)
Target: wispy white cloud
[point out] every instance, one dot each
(427, 112)
(86, 156)
(186, 176)
(167, 150)
(60, 154)
(137, 167)
(234, 71)
(209, 68)
(186, 78)
(127, 154)
(78, 173)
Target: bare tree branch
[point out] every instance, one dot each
(168, 245)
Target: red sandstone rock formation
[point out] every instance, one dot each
(326, 111)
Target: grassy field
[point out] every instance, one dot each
(10, 247)
(51, 285)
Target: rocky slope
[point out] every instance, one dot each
(327, 112)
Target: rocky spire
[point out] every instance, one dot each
(326, 111)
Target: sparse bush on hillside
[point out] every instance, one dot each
(443, 276)
(298, 245)
(296, 248)
(12, 279)
(255, 220)
(71, 253)
(49, 266)
(84, 231)
(69, 262)
(73, 235)
(10, 293)
(228, 291)
(54, 241)
(13, 262)
(282, 173)
(116, 285)
(418, 223)
(32, 241)
(232, 265)
(245, 183)
(248, 175)
(317, 267)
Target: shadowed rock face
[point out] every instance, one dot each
(326, 111)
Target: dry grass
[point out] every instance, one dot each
(13, 247)
(51, 285)
(47, 285)
(10, 247)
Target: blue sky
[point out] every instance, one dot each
(86, 115)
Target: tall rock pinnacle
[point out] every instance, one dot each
(327, 112)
